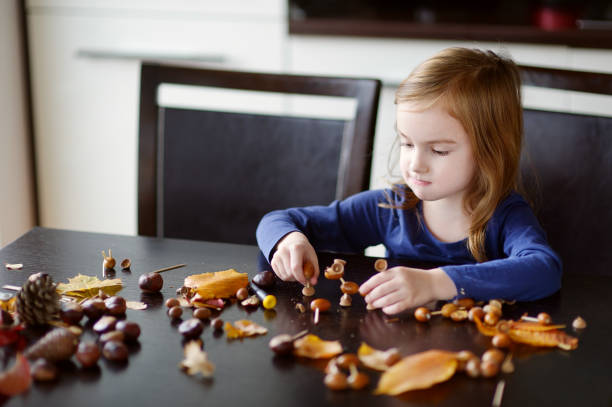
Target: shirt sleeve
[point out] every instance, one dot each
(348, 226)
(531, 269)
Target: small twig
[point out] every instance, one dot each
(499, 393)
(169, 268)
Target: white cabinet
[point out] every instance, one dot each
(85, 66)
(392, 60)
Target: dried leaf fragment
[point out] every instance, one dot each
(221, 284)
(377, 359)
(243, 328)
(16, 266)
(196, 360)
(83, 286)
(419, 371)
(17, 379)
(313, 347)
(136, 305)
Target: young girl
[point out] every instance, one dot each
(459, 121)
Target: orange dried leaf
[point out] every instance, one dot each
(374, 358)
(418, 371)
(17, 379)
(221, 284)
(533, 326)
(313, 347)
(484, 329)
(243, 328)
(544, 338)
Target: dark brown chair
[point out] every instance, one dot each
(567, 168)
(212, 175)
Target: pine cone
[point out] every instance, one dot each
(58, 344)
(37, 301)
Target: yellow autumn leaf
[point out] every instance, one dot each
(419, 371)
(243, 328)
(9, 305)
(221, 284)
(83, 286)
(313, 347)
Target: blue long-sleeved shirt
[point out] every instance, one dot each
(522, 267)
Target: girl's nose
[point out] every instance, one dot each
(418, 162)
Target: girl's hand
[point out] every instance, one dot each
(292, 252)
(399, 288)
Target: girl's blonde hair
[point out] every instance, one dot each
(483, 92)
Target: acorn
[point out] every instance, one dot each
(109, 262)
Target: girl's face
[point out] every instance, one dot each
(436, 157)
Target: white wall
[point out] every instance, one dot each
(17, 212)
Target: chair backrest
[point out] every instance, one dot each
(567, 167)
(212, 174)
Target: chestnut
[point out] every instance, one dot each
(264, 279)
(175, 312)
(115, 351)
(94, 308)
(191, 329)
(151, 282)
(105, 324)
(282, 344)
(115, 305)
(71, 313)
(217, 324)
(88, 354)
(112, 336)
(131, 330)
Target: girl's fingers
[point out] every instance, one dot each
(373, 282)
(315, 264)
(296, 266)
(380, 292)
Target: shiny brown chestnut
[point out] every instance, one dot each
(175, 312)
(131, 330)
(115, 305)
(264, 279)
(191, 328)
(94, 308)
(105, 324)
(150, 282)
(115, 351)
(88, 354)
(71, 313)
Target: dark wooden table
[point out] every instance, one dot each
(248, 373)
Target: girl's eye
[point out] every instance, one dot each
(440, 152)
(409, 145)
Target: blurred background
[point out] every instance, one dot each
(70, 72)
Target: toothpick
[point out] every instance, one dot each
(169, 268)
(499, 393)
(316, 316)
(11, 287)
